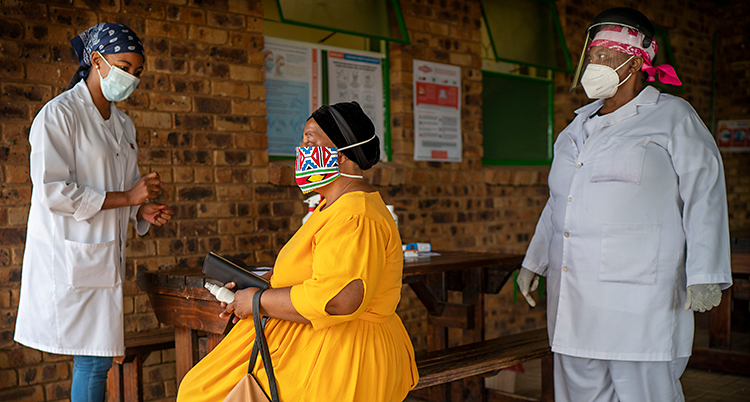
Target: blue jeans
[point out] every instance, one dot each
(89, 378)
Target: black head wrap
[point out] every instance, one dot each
(355, 127)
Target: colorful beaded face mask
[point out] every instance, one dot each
(316, 167)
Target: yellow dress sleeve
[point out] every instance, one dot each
(343, 251)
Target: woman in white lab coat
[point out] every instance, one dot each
(634, 237)
(87, 188)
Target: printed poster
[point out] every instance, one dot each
(355, 77)
(437, 112)
(293, 91)
(732, 135)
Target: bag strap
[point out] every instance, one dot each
(261, 344)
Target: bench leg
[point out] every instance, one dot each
(548, 378)
(114, 383)
(186, 351)
(212, 340)
(132, 379)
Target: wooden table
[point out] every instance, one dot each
(179, 299)
(734, 307)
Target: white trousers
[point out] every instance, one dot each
(590, 380)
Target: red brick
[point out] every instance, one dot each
(170, 103)
(23, 394)
(225, 20)
(166, 29)
(150, 9)
(212, 105)
(190, 85)
(230, 89)
(208, 35)
(186, 15)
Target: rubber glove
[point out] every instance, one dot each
(527, 282)
(703, 297)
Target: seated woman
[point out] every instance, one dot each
(333, 331)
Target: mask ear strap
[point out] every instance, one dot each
(348, 134)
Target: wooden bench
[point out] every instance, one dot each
(125, 378)
(487, 357)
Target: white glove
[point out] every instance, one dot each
(703, 297)
(527, 282)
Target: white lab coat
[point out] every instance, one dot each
(633, 218)
(74, 261)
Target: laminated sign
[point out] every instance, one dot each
(437, 112)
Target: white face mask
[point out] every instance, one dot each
(601, 82)
(118, 84)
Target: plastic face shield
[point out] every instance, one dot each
(597, 54)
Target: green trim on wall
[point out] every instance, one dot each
(387, 104)
(396, 9)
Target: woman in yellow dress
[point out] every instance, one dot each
(333, 331)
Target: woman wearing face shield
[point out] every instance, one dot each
(634, 236)
(333, 332)
(87, 188)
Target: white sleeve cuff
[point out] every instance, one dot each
(141, 225)
(91, 203)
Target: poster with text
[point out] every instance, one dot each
(732, 135)
(354, 77)
(293, 90)
(437, 112)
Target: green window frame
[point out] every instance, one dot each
(506, 125)
(515, 19)
(396, 27)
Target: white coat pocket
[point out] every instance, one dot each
(629, 253)
(91, 265)
(621, 160)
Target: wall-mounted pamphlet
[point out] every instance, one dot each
(732, 135)
(437, 112)
(356, 77)
(293, 91)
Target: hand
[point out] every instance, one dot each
(242, 306)
(156, 214)
(527, 282)
(703, 297)
(147, 188)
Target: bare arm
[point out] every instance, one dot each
(277, 303)
(146, 188)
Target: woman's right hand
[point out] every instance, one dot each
(147, 188)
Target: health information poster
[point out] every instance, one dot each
(293, 91)
(733, 135)
(437, 112)
(356, 77)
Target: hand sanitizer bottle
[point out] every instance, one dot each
(392, 210)
(312, 203)
(221, 293)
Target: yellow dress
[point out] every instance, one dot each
(365, 356)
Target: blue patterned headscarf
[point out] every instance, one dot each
(105, 38)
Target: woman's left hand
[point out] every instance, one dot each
(242, 306)
(156, 214)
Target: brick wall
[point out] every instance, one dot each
(200, 113)
(733, 103)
